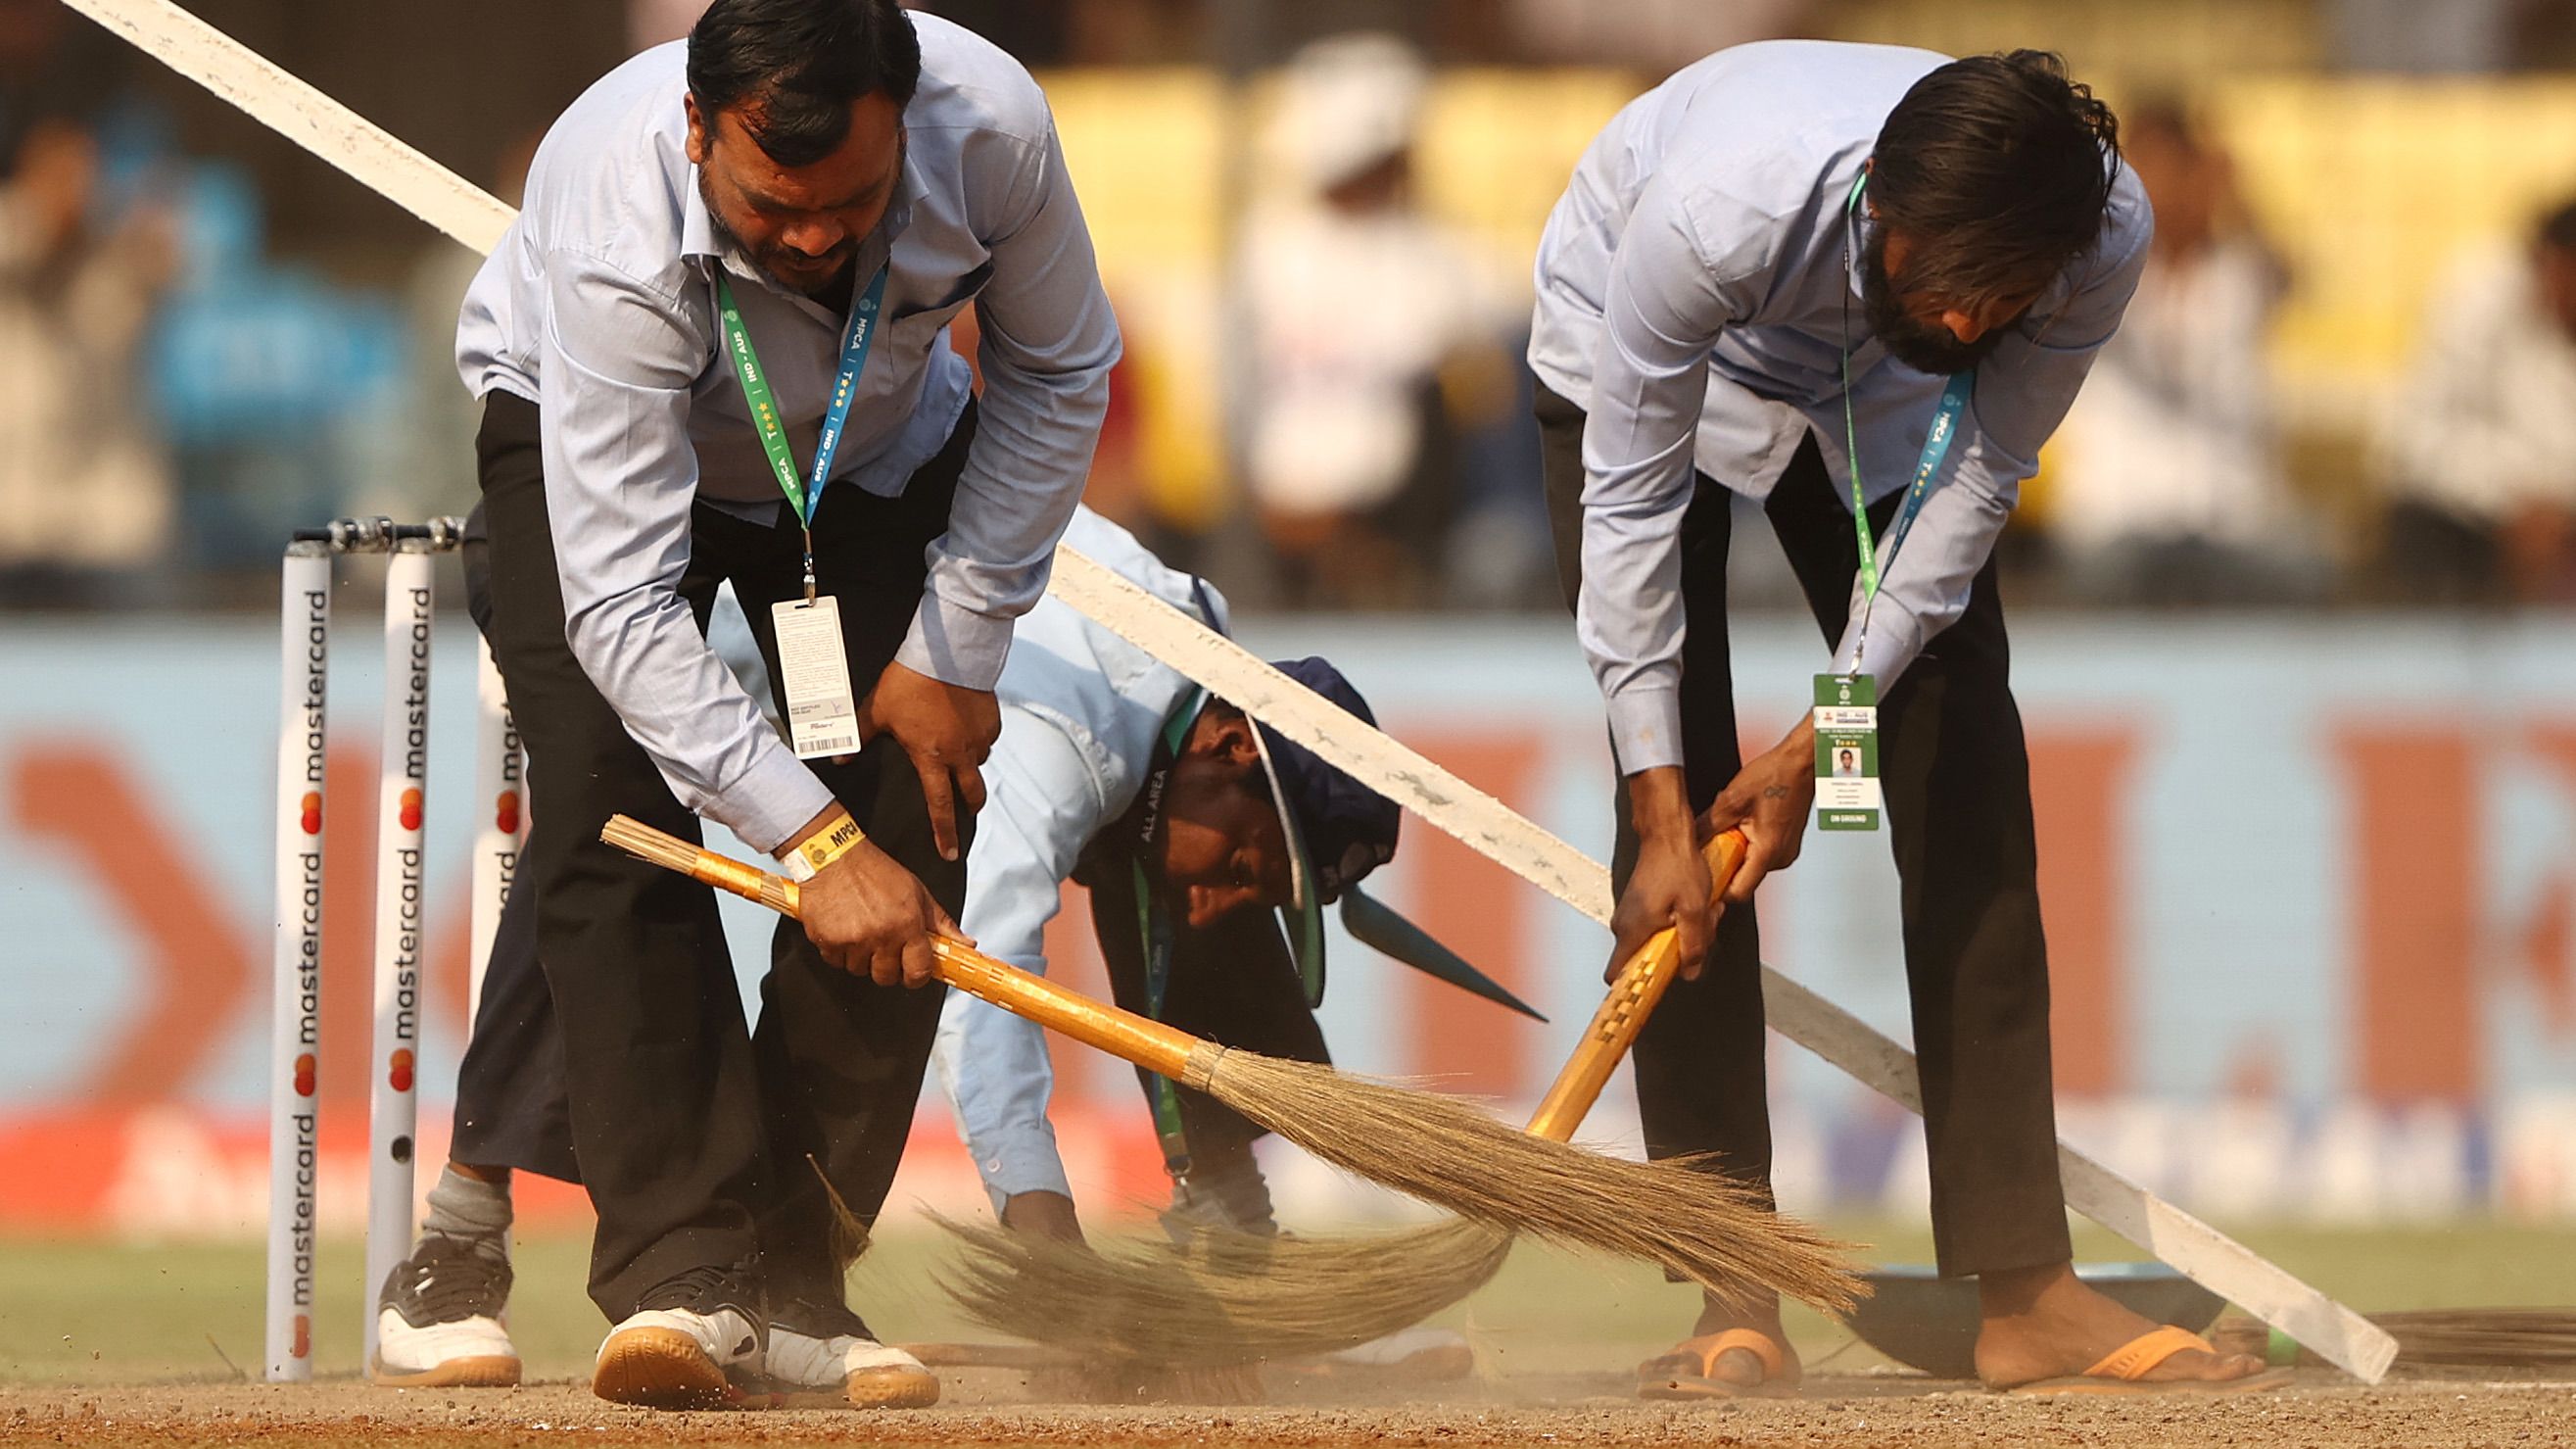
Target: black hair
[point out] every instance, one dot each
(791, 68)
(1998, 169)
(2558, 229)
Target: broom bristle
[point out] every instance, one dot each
(1228, 1298)
(1451, 1153)
(2484, 1337)
(2534, 1338)
(849, 1235)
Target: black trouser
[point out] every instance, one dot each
(512, 1109)
(1233, 983)
(1957, 785)
(693, 1133)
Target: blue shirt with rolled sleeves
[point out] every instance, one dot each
(599, 305)
(1082, 710)
(1692, 290)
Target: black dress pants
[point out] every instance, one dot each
(694, 1134)
(1957, 784)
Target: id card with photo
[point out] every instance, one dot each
(1846, 717)
(814, 678)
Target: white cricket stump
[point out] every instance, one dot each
(501, 815)
(393, 1108)
(295, 1012)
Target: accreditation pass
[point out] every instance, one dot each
(1846, 752)
(814, 682)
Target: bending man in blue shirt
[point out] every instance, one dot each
(1765, 280)
(714, 348)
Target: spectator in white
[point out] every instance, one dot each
(1361, 308)
(2481, 460)
(2167, 486)
(84, 485)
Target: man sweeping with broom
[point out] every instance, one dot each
(1859, 286)
(1189, 822)
(713, 347)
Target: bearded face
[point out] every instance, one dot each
(1912, 328)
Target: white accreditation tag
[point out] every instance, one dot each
(822, 718)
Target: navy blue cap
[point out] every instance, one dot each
(1338, 829)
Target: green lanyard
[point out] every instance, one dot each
(802, 494)
(1936, 443)
(1155, 930)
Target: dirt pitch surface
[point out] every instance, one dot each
(992, 1407)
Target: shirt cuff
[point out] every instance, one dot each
(955, 645)
(1895, 638)
(1019, 1157)
(772, 800)
(1646, 727)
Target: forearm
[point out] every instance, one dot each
(1023, 478)
(994, 1069)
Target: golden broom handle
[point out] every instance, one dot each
(1633, 995)
(1123, 1034)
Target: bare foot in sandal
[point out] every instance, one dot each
(2045, 1331)
(1730, 1353)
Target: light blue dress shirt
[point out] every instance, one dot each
(1691, 294)
(1081, 710)
(599, 306)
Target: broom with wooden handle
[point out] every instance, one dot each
(1442, 1150)
(1231, 1298)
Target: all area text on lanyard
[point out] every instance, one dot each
(1846, 704)
(802, 494)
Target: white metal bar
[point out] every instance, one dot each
(357, 146)
(393, 1108)
(283, 102)
(500, 810)
(295, 977)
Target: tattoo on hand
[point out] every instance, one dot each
(1775, 792)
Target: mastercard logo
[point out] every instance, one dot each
(411, 810)
(400, 1076)
(303, 1337)
(304, 1075)
(505, 813)
(312, 812)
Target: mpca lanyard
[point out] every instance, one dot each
(1846, 705)
(1936, 447)
(802, 495)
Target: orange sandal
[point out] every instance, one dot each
(1690, 1370)
(2124, 1370)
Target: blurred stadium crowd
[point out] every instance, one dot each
(2349, 376)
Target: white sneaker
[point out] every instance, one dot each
(676, 1358)
(828, 1356)
(438, 1320)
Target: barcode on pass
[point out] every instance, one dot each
(836, 744)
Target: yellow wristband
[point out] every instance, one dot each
(822, 848)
